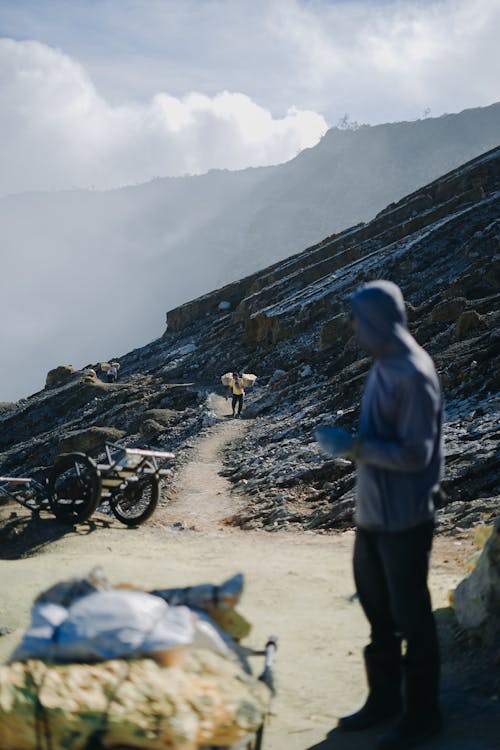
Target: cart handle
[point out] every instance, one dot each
(141, 451)
(267, 675)
(16, 480)
(146, 452)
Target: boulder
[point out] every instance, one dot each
(467, 322)
(476, 599)
(151, 428)
(59, 376)
(89, 376)
(449, 310)
(86, 441)
(163, 416)
(6, 406)
(154, 421)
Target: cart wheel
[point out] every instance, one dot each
(74, 488)
(137, 502)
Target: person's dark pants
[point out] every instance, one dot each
(237, 401)
(390, 571)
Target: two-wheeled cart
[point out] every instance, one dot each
(26, 491)
(128, 480)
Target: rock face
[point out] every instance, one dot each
(59, 376)
(476, 599)
(288, 325)
(218, 227)
(87, 441)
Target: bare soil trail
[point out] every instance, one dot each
(298, 586)
(202, 500)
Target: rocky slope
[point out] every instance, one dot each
(147, 248)
(288, 325)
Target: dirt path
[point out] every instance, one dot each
(298, 586)
(202, 500)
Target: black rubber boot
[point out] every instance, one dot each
(384, 699)
(411, 732)
(422, 718)
(370, 715)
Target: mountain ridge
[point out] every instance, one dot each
(160, 244)
(287, 324)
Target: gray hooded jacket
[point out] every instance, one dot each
(400, 457)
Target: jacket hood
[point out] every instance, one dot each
(380, 315)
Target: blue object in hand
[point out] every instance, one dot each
(334, 440)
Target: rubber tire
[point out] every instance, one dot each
(72, 513)
(151, 482)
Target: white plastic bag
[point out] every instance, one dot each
(113, 624)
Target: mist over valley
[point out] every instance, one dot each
(90, 275)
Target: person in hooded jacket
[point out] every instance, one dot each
(399, 459)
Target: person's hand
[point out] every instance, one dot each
(334, 440)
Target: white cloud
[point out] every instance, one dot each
(58, 132)
(122, 92)
(387, 61)
(114, 93)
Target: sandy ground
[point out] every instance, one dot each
(298, 587)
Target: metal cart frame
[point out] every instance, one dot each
(128, 480)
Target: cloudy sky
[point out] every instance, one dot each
(99, 94)
(103, 93)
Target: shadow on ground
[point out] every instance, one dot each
(474, 727)
(336, 740)
(24, 534)
(470, 697)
